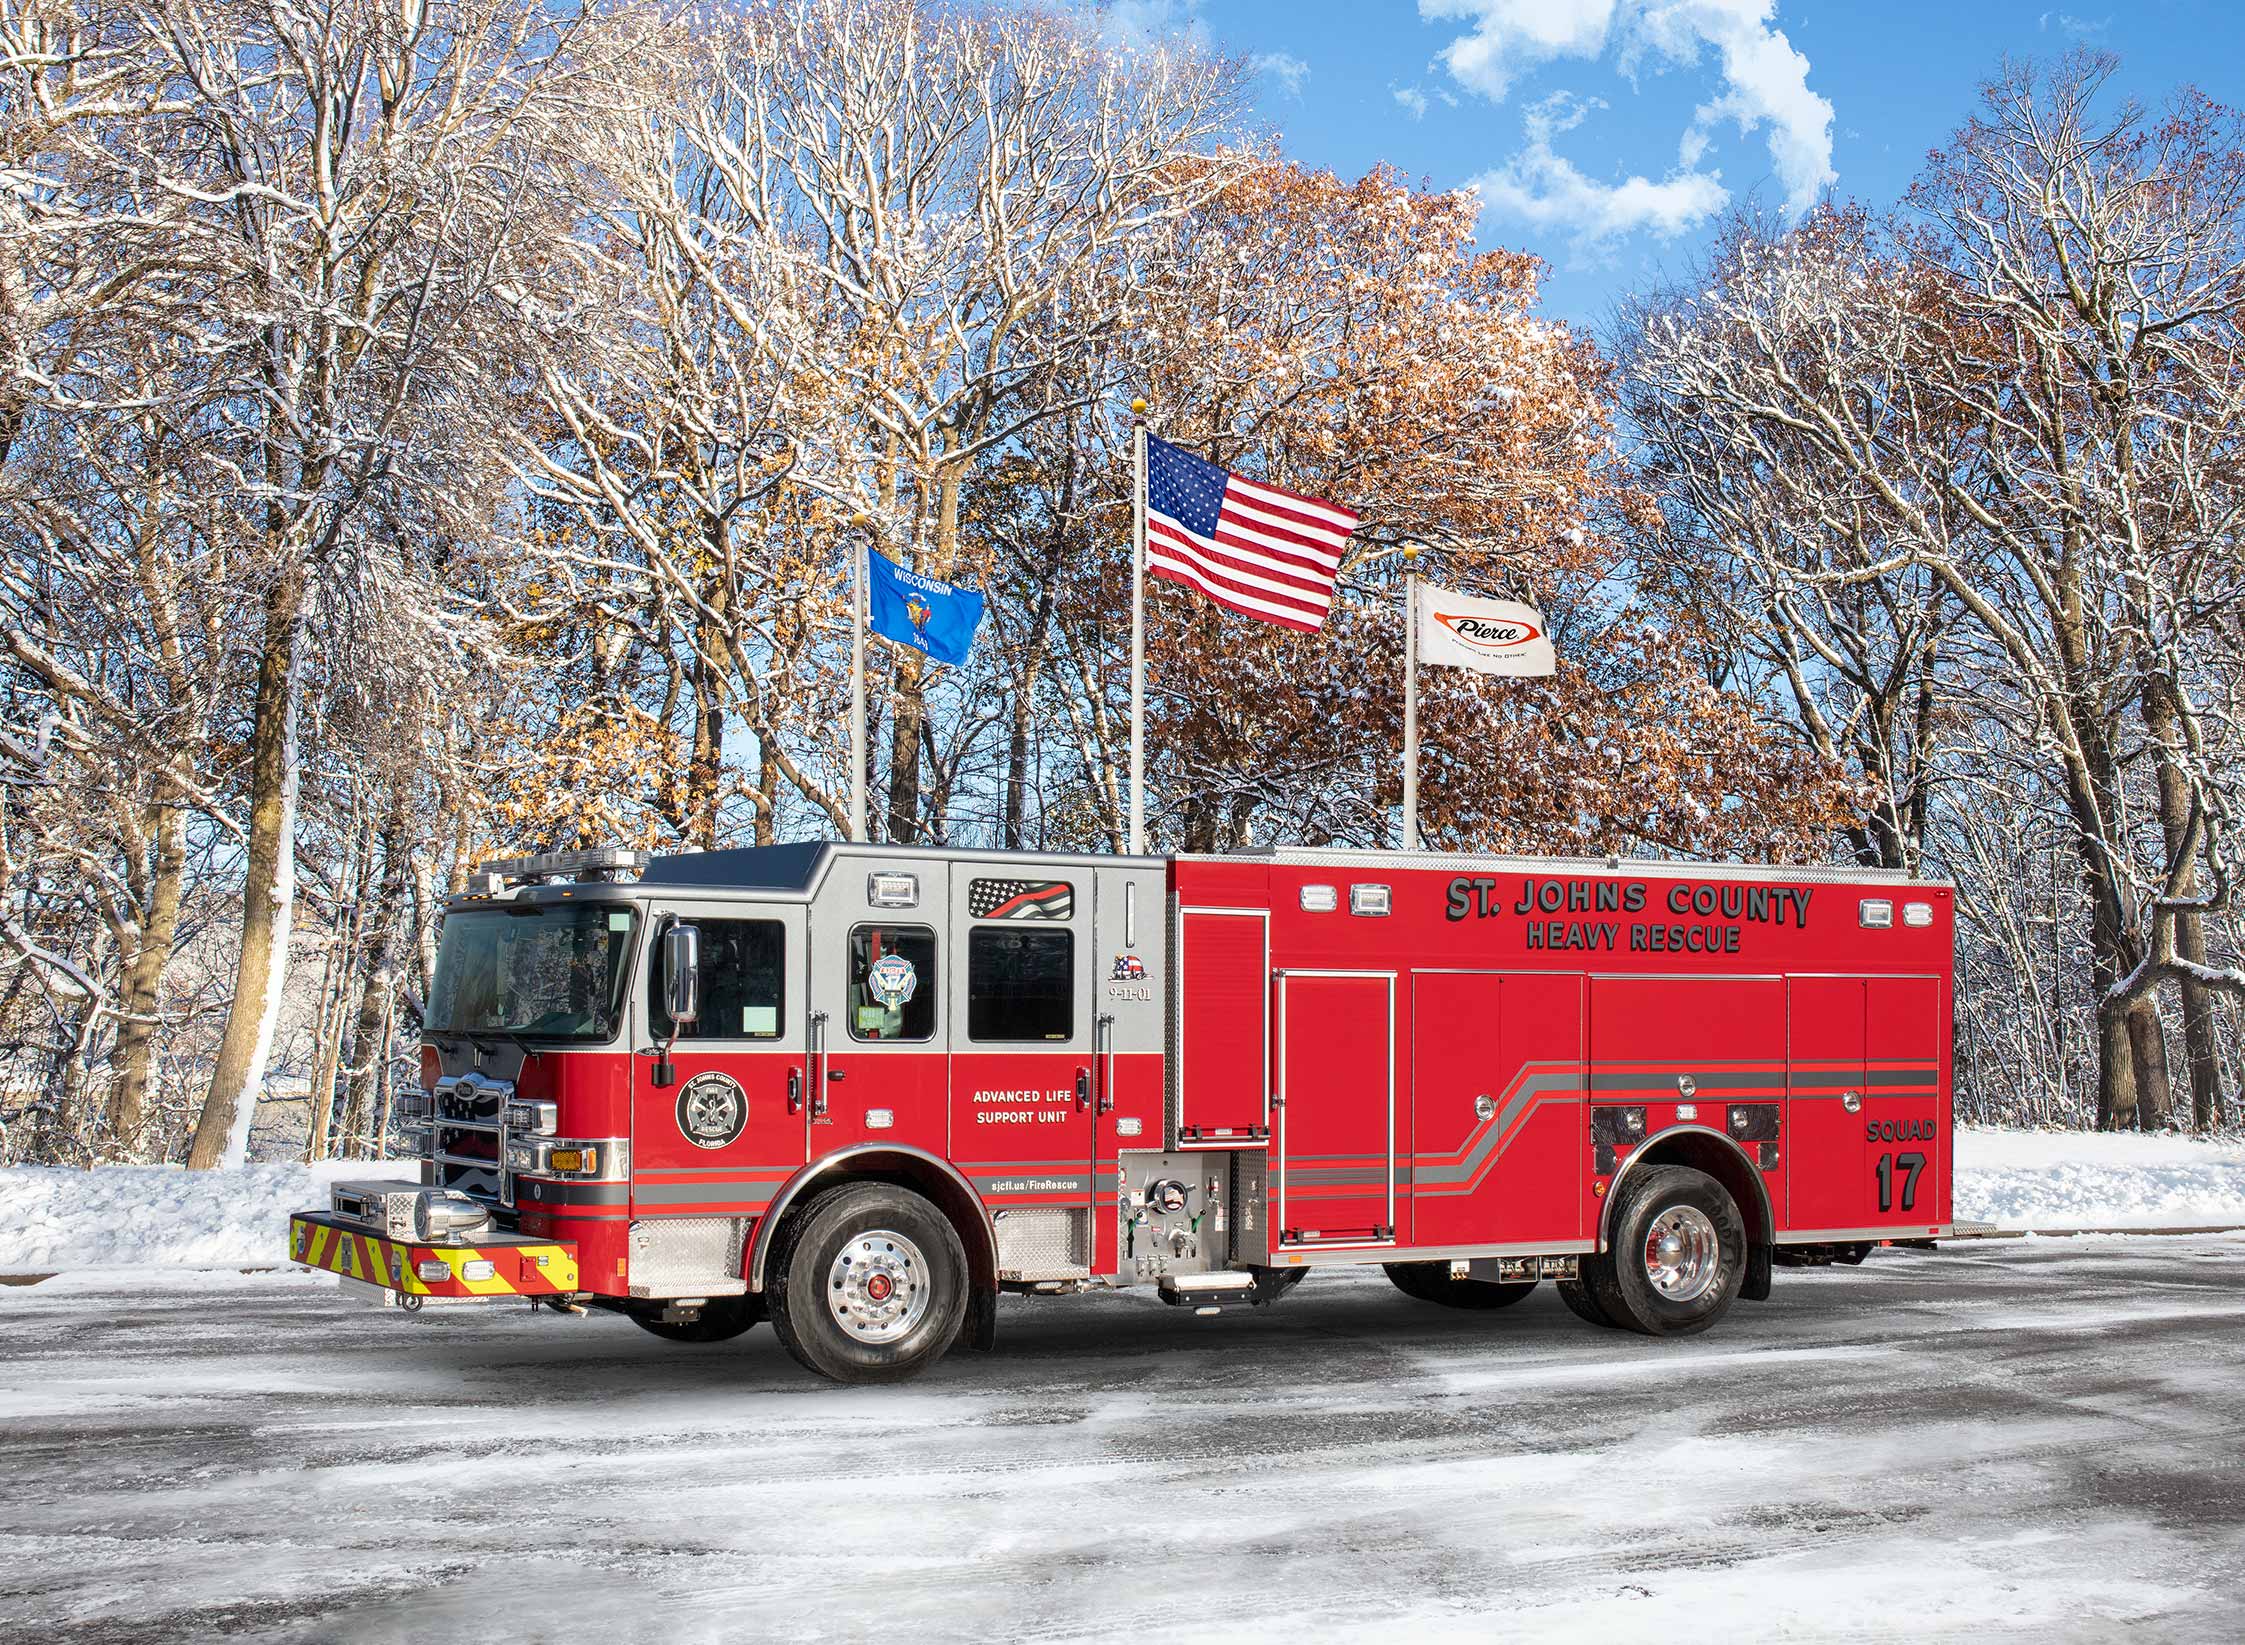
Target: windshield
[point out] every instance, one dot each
(542, 971)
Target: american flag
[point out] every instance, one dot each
(1020, 899)
(1249, 547)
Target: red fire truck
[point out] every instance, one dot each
(862, 1090)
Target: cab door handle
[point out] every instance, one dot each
(1083, 1089)
(795, 1090)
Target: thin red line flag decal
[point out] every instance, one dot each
(1249, 547)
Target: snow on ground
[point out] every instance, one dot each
(2089, 1179)
(133, 1216)
(2024, 1442)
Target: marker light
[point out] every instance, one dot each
(1917, 913)
(1319, 899)
(1876, 913)
(892, 890)
(1368, 899)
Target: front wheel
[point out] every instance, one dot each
(1431, 1282)
(869, 1284)
(1677, 1257)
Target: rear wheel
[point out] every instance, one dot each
(721, 1320)
(869, 1284)
(1678, 1254)
(1581, 1296)
(1431, 1282)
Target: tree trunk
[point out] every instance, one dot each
(268, 888)
(2200, 1045)
(2116, 1079)
(705, 771)
(904, 747)
(367, 1059)
(2147, 1045)
(135, 1054)
(2209, 1102)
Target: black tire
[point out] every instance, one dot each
(1687, 1202)
(1431, 1282)
(721, 1320)
(1581, 1296)
(908, 1247)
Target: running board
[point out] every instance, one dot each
(1197, 1284)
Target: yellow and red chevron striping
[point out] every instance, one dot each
(517, 1269)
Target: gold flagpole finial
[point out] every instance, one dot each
(1138, 408)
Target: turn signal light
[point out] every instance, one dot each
(584, 1160)
(433, 1270)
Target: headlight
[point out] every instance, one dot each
(538, 1119)
(444, 1214)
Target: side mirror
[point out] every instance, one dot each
(682, 975)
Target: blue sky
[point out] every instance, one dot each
(1604, 133)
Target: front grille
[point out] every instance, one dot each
(470, 1137)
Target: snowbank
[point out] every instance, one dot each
(129, 1216)
(132, 1216)
(2087, 1179)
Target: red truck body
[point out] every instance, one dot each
(1206, 1072)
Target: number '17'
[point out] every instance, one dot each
(1911, 1165)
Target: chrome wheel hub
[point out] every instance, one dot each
(1683, 1253)
(877, 1288)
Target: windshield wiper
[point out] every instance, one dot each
(476, 1037)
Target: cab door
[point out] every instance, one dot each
(878, 1022)
(1024, 1042)
(729, 1130)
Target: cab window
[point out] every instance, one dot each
(744, 983)
(892, 982)
(1020, 984)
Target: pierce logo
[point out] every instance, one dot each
(1484, 635)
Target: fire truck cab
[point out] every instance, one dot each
(861, 1090)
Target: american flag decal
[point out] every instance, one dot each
(1020, 899)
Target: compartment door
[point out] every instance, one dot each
(1823, 1141)
(1223, 1029)
(1499, 1139)
(1024, 1032)
(1905, 1172)
(1336, 1118)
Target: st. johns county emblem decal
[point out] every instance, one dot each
(712, 1109)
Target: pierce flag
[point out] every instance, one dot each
(1488, 636)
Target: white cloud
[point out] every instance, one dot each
(2074, 28)
(1541, 187)
(1284, 67)
(1413, 100)
(1764, 79)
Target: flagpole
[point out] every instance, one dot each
(863, 547)
(1410, 697)
(1138, 628)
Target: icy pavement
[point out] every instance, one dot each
(2030, 1440)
